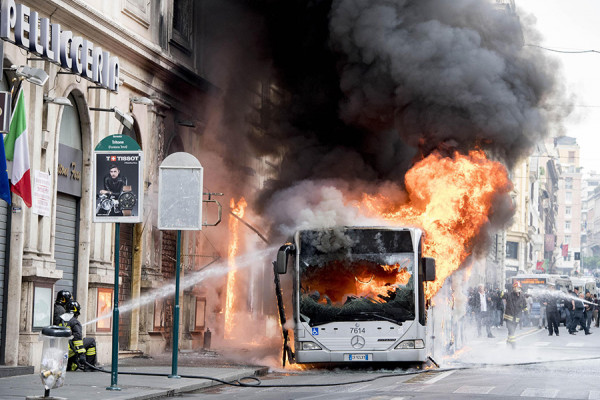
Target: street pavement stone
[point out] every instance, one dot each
(93, 385)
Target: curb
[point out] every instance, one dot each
(159, 393)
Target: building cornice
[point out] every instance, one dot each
(128, 46)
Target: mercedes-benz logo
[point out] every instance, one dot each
(358, 342)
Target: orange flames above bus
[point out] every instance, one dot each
(451, 200)
(238, 210)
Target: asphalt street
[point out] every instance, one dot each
(541, 366)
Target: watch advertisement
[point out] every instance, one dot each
(117, 189)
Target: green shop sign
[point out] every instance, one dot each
(117, 143)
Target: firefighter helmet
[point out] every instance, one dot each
(73, 307)
(63, 297)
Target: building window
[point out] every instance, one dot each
(571, 156)
(512, 250)
(568, 197)
(569, 183)
(138, 10)
(42, 306)
(104, 308)
(567, 210)
(199, 315)
(182, 24)
(567, 225)
(159, 314)
(567, 240)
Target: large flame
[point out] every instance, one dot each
(451, 200)
(237, 210)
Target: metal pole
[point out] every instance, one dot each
(176, 311)
(114, 373)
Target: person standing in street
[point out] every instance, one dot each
(577, 318)
(515, 306)
(595, 313)
(589, 309)
(482, 305)
(552, 315)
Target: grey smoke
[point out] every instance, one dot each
(371, 86)
(438, 71)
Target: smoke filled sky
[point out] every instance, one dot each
(374, 85)
(571, 26)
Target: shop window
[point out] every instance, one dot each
(105, 303)
(42, 306)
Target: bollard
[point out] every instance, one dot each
(55, 354)
(207, 336)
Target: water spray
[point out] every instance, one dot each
(215, 270)
(537, 292)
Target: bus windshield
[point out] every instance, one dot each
(356, 274)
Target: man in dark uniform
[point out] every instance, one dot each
(515, 305)
(63, 297)
(577, 319)
(552, 315)
(82, 351)
(113, 186)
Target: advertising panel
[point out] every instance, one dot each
(118, 188)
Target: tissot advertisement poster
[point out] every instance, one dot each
(117, 184)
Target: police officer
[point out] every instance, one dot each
(552, 314)
(515, 305)
(63, 297)
(577, 319)
(82, 351)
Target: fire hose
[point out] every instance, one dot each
(257, 383)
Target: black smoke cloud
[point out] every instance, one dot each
(370, 86)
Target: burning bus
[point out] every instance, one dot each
(358, 294)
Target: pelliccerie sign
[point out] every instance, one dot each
(39, 36)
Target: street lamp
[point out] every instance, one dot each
(125, 119)
(61, 101)
(142, 100)
(36, 76)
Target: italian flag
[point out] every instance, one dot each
(17, 151)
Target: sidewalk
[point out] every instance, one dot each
(92, 385)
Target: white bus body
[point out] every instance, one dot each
(337, 324)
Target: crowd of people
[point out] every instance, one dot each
(491, 307)
(82, 351)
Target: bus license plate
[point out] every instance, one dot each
(358, 357)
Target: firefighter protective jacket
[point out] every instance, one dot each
(515, 305)
(75, 344)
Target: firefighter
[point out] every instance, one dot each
(82, 351)
(515, 306)
(63, 297)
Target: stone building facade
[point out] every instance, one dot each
(154, 50)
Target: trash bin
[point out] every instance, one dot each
(55, 354)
